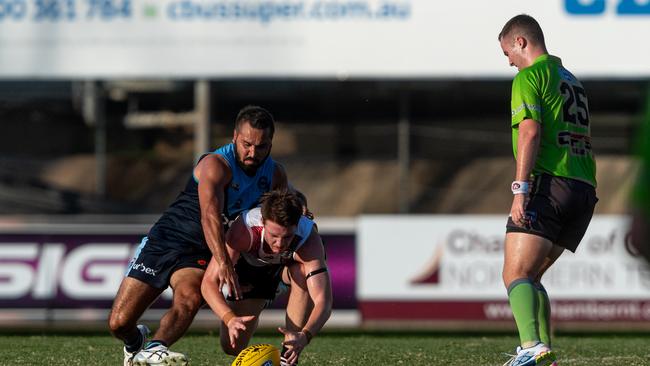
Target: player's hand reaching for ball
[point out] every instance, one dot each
(295, 342)
(236, 326)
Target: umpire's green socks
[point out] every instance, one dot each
(522, 295)
(543, 314)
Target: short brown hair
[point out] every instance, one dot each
(281, 207)
(526, 26)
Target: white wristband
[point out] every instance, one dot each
(519, 187)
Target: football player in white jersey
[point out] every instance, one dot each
(271, 244)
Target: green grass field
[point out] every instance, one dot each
(357, 349)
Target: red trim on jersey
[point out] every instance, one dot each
(256, 240)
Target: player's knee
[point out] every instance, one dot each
(187, 301)
(225, 346)
(228, 349)
(513, 273)
(118, 323)
(510, 277)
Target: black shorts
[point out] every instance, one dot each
(258, 282)
(559, 209)
(155, 261)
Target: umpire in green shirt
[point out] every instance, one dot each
(554, 187)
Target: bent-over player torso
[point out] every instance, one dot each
(177, 241)
(258, 269)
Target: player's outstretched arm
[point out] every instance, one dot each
(318, 281)
(236, 324)
(213, 294)
(214, 175)
(312, 256)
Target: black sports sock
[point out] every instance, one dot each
(134, 344)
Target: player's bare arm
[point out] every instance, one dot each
(527, 147)
(236, 325)
(237, 240)
(214, 174)
(312, 257)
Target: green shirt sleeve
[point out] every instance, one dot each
(526, 102)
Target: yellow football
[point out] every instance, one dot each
(258, 355)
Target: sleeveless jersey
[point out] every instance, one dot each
(181, 222)
(244, 191)
(256, 256)
(549, 94)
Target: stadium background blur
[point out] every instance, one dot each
(392, 117)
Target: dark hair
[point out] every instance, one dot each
(526, 26)
(257, 117)
(301, 197)
(281, 207)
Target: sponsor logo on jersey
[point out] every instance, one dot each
(263, 184)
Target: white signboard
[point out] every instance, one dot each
(461, 257)
(310, 38)
(450, 266)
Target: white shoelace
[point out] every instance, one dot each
(512, 358)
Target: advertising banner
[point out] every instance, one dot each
(310, 38)
(77, 270)
(449, 267)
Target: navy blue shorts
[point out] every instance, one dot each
(559, 209)
(155, 261)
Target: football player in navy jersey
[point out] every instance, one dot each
(189, 234)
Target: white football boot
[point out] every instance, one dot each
(128, 356)
(159, 355)
(537, 355)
